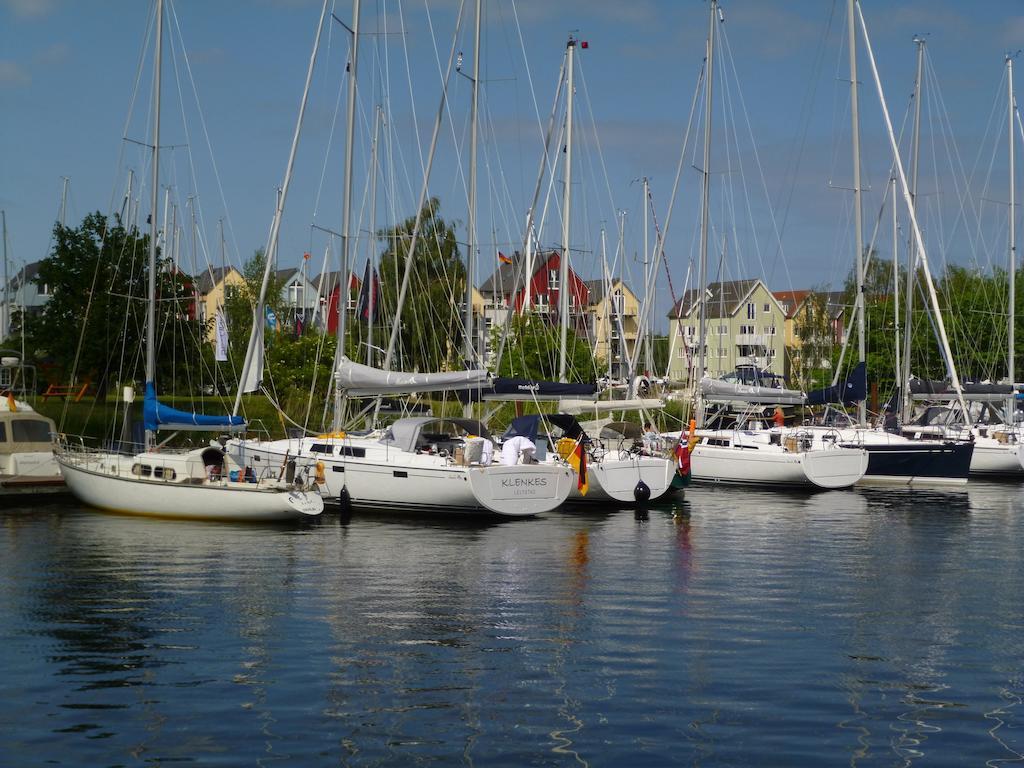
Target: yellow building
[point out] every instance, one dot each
(215, 285)
(612, 318)
(745, 328)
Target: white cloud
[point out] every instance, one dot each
(13, 74)
(52, 55)
(26, 9)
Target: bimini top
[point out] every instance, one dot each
(364, 380)
(156, 416)
(405, 434)
(528, 426)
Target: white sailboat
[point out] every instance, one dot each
(426, 464)
(738, 454)
(199, 484)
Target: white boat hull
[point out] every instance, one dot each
(226, 501)
(994, 458)
(614, 480)
(392, 480)
(829, 469)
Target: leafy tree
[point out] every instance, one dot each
(811, 361)
(431, 333)
(533, 351)
(97, 275)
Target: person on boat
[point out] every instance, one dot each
(890, 420)
(779, 417)
(516, 447)
(651, 439)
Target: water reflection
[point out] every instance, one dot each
(729, 627)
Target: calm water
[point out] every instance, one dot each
(735, 628)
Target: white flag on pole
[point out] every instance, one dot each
(221, 353)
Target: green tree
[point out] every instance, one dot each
(811, 361)
(431, 333)
(97, 276)
(533, 350)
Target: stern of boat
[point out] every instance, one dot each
(521, 490)
(835, 467)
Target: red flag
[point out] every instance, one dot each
(682, 459)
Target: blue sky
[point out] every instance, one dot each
(67, 70)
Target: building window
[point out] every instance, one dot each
(723, 330)
(771, 353)
(682, 353)
(721, 352)
(769, 330)
(747, 329)
(750, 311)
(44, 290)
(767, 308)
(618, 302)
(552, 280)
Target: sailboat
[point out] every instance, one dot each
(745, 452)
(420, 464)
(203, 483)
(893, 458)
(984, 414)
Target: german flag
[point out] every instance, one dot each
(578, 461)
(503, 258)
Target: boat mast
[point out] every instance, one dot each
(895, 279)
(1013, 232)
(907, 403)
(470, 352)
(918, 238)
(154, 202)
(563, 261)
(371, 295)
(858, 214)
(346, 218)
(704, 208)
(6, 317)
(252, 366)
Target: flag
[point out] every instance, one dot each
(503, 258)
(12, 404)
(221, 331)
(682, 459)
(271, 318)
(578, 461)
(300, 325)
(369, 294)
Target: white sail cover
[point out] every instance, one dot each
(254, 376)
(606, 406)
(363, 380)
(730, 391)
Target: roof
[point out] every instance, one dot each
(791, 300)
(284, 275)
(509, 278)
(28, 272)
(330, 281)
(206, 283)
(724, 295)
(596, 289)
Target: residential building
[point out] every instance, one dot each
(511, 285)
(796, 306)
(298, 292)
(745, 326)
(216, 285)
(24, 295)
(326, 286)
(612, 324)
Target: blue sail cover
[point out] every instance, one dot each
(853, 390)
(156, 415)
